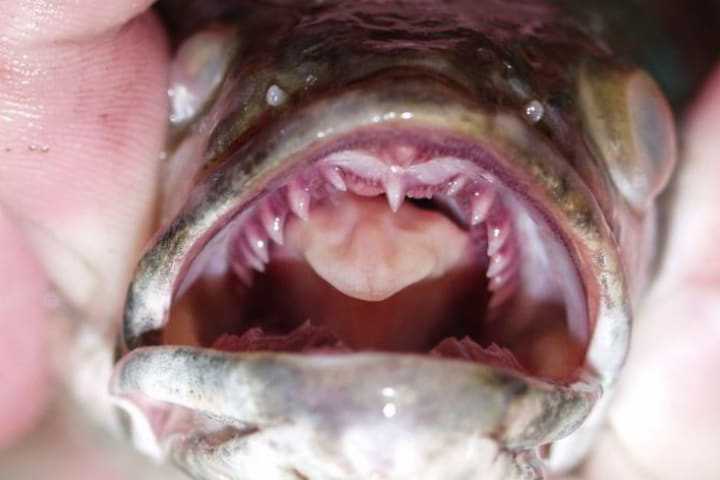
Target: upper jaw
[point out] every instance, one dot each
(522, 158)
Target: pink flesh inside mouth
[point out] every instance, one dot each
(397, 247)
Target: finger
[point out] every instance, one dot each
(23, 368)
(83, 127)
(82, 114)
(667, 418)
(31, 24)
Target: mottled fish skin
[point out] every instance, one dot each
(674, 40)
(472, 71)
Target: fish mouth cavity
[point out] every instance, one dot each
(538, 294)
(384, 240)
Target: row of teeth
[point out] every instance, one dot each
(365, 175)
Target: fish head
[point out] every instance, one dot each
(401, 240)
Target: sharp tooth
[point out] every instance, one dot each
(258, 244)
(502, 261)
(299, 201)
(274, 224)
(503, 278)
(498, 263)
(480, 206)
(497, 235)
(497, 282)
(456, 185)
(394, 191)
(333, 175)
(251, 259)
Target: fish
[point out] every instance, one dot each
(399, 239)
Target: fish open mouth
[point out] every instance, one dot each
(395, 240)
(392, 240)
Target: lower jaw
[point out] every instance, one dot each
(359, 416)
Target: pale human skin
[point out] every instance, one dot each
(82, 123)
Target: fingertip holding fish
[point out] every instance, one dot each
(24, 309)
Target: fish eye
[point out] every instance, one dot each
(630, 124)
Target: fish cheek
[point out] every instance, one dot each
(631, 127)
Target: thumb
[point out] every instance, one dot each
(666, 420)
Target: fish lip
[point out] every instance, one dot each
(251, 392)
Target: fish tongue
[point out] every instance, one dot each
(378, 279)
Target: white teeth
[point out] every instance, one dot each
(273, 224)
(333, 175)
(480, 206)
(257, 243)
(456, 185)
(359, 163)
(299, 201)
(502, 273)
(367, 175)
(497, 235)
(394, 191)
(252, 259)
(498, 263)
(498, 281)
(438, 171)
(426, 192)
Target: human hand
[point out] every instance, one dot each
(665, 423)
(82, 121)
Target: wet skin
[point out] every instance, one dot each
(77, 189)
